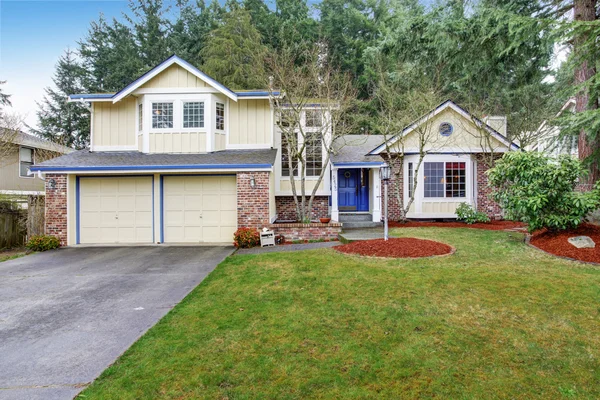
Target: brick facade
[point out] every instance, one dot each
(286, 208)
(56, 207)
(308, 231)
(253, 203)
(485, 204)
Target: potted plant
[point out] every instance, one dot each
(325, 220)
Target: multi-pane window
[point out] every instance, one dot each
(286, 165)
(162, 115)
(314, 154)
(456, 180)
(140, 117)
(25, 161)
(433, 179)
(444, 179)
(220, 115)
(313, 119)
(411, 179)
(193, 115)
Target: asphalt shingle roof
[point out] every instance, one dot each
(122, 160)
(354, 148)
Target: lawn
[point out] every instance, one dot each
(495, 320)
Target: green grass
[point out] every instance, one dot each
(11, 255)
(495, 320)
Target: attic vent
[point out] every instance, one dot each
(446, 129)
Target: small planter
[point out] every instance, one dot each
(324, 220)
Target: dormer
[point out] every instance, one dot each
(176, 108)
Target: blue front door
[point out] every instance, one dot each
(353, 190)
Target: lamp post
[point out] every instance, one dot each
(385, 172)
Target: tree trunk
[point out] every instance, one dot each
(588, 144)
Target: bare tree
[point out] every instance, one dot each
(405, 120)
(310, 98)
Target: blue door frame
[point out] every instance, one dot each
(353, 189)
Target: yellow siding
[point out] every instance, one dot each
(178, 142)
(9, 174)
(445, 207)
(220, 140)
(286, 186)
(114, 124)
(466, 137)
(174, 77)
(250, 122)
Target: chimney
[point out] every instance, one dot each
(497, 122)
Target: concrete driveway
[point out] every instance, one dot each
(67, 314)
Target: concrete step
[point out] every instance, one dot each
(361, 224)
(350, 217)
(351, 235)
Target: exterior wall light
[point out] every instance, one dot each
(252, 182)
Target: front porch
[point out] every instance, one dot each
(356, 194)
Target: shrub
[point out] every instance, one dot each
(246, 237)
(43, 243)
(469, 215)
(540, 191)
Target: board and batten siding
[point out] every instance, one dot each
(250, 122)
(178, 142)
(114, 125)
(174, 77)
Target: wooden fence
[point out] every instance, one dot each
(12, 232)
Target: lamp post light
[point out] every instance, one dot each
(385, 172)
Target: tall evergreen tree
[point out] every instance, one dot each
(59, 121)
(151, 29)
(4, 98)
(234, 53)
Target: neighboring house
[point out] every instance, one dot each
(18, 152)
(177, 157)
(550, 141)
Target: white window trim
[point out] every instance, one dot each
(32, 161)
(177, 101)
(420, 194)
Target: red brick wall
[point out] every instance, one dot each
(253, 203)
(286, 208)
(395, 188)
(308, 231)
(485, 204)
(56, 207)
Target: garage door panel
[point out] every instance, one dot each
(209, 208)
(116, 210)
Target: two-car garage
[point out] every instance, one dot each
(182, 209)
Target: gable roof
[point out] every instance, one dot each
(25, 139)
(174, 59)
(445, 105)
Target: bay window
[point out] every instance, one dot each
(314, 154)
(220, 117)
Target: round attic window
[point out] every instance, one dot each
(446, 129)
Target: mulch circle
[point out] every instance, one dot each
(396, 248)
(492, 225)
(556, 243)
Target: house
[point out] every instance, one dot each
(18, 152)
(549, 139)
(177, 157)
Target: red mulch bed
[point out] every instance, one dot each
(396, 248)
(557, 243)
(492, 225)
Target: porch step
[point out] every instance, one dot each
(355, 217)
(352, 235)
(361, 224)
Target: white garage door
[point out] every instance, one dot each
(199, 209)
(115, 210)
